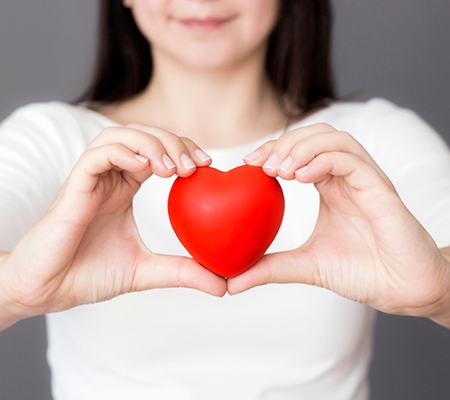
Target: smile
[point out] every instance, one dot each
(204, 24)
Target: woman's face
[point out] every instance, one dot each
(205, 34)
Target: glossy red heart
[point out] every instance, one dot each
(226, 220)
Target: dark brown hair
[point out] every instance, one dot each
(298, 61)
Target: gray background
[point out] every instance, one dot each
(394, 49)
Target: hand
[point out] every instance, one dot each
(366, 245)
(86, 248)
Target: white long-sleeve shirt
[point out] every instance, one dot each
(278, 341)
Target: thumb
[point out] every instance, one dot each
(290, 266)
(158, 270)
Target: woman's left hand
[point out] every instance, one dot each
(366, 245)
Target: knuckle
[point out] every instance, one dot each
(162, 133)
(300, 131)
(269, 146)
(166, 138)
(280, 148)
(189, 144)
(324, 157)
(351, 157)
(302, 148)
(152, 140)
(325, 126)
(345, 134)
(150, 143)
(285, 138)
(346, 141)
(108, 130)
(178, 140)
(185, 139)
(290, 133)
(113, 147)
(132, 125)
(88, 153)
(96, 152)
(106, 135)
(167, 134)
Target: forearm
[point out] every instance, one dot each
(442, 315)
(7, 316)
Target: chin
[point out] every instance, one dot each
(207, 59)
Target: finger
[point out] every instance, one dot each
(161, 270)
(196, 152)
(360, 182)
(166, 158)
(96, 161)
(185, 152)
(290, 266)
(297, 147)
(357, 174)
(141, 143)
(283, 144)
(304, 150)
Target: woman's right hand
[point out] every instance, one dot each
(86, 247)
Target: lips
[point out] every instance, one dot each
(204, 23)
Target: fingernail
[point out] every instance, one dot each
(252, 156)
(202, 155)
(186, 161)
(141, 158)
(271, 162)
(168, 162)
(285, 164)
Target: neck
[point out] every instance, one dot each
(225, 106)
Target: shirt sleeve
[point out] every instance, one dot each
(35, 156)
(416, 159)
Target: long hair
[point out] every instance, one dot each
(298, 60)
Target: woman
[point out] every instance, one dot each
(84, 211)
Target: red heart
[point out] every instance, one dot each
(226, 220)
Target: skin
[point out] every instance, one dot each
(195, 71)
(178, 113)
(382, 255)
(56, 265)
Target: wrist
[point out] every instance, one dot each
(441, 314)
(7, 315)
(9, 311)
